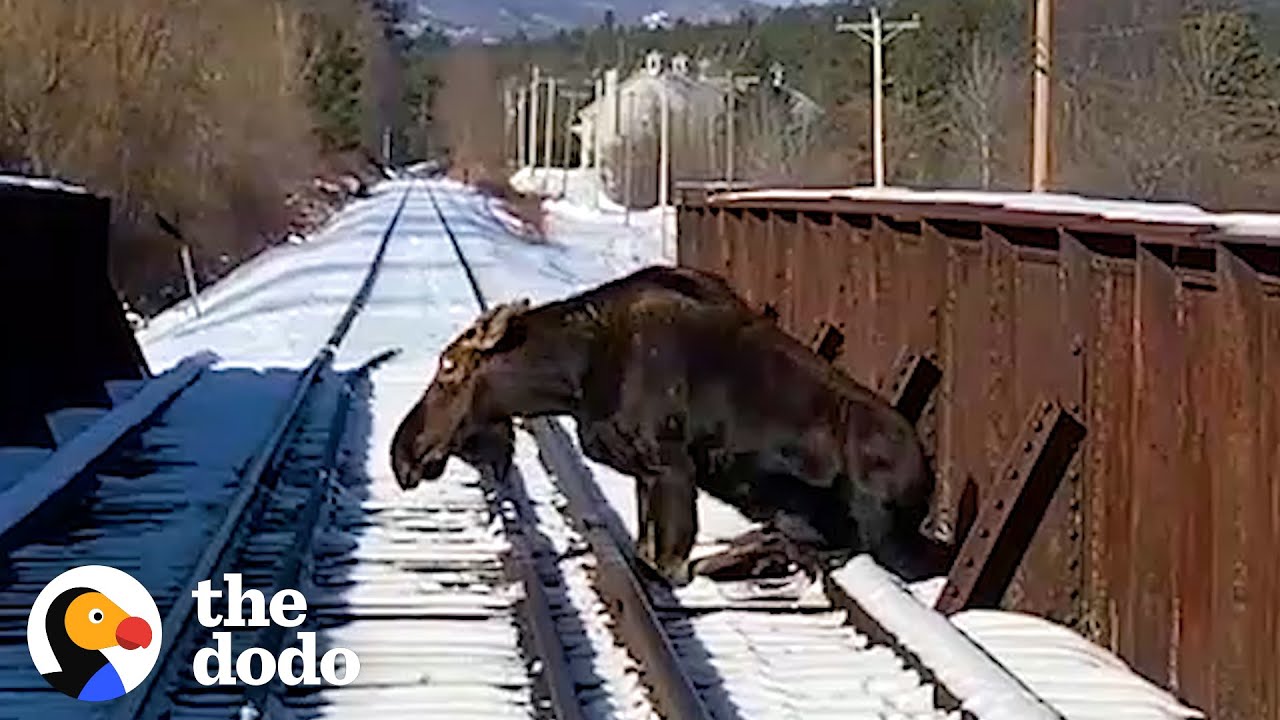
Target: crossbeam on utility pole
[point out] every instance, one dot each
(879, 34)
(1040, 129)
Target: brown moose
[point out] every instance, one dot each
(674, 380)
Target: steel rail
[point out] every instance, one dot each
(178, 625)
(641, 630)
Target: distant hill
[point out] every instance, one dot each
(498, 18)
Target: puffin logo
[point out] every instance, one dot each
(94, 633)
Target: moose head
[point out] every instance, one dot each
(459, 413)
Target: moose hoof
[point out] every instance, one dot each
(677, 575)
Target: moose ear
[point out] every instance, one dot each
(505, 328)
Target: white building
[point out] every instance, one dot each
(633, 105)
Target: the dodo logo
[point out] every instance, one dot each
(94, 633)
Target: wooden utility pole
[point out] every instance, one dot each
(521, 101)
(550, 139)
(627, 129)
(664, 149)
(534, 86)
(881, 34)
(1040, 129)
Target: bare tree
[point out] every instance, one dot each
(980, 93)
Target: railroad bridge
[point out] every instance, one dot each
(1156, 327)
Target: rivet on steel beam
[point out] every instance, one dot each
(1038, 426)
(933, 312)
(968, 562)
(1028, 447)
(984, 533)
(999, 504)
(1013, 474)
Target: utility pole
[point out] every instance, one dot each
(551, 122)
(627, 129)
(1040, 131)
(664, 149)
(534, 86)
(881, 34)
(521, 100)
(664, 162)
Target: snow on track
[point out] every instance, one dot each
(412, 582)
(150, 515)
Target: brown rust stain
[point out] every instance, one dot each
(1268, 637)
(1157, 409)
(1243, 555)
(1197, 518)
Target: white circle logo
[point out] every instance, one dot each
(94, 633)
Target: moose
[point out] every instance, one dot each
(675, 380)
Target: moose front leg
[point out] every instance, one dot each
(673, 523)
(646, 550)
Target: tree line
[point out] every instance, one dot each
(1159, 100)
(217, 116)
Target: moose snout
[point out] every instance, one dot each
(410, 471)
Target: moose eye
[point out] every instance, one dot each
(96, 616)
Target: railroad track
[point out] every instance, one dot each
(484, 597)
(155, 488)
(781, 658)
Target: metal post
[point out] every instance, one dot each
(1040, 132)
(878, 39)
